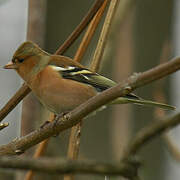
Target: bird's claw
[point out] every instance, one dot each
(44, 124)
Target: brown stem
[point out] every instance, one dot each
(135, 81)
(103, 37)
(80, 27)
(14, 101)
(90, 32)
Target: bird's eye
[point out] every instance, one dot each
(17, 60)
(20, 60)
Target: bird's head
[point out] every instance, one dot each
(28, 59)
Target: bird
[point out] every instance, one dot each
(60, 83)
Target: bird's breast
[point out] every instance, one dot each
(60, 95)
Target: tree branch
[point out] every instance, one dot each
(85, 21)
(89, 33)
(63, 166)
(20, 145)
(14, 101)
(148, 133)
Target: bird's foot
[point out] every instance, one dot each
(56, 119)
(44, 124)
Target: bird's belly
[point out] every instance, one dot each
(64, 98)
(59, 104)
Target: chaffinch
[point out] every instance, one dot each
(62, 84)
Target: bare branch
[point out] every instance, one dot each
(148, 133)
(14, 101)
(90, 32)
(103, 37)
(91, 13)
(62, 166)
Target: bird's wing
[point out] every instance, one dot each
(70, 69)
(77, 72)
(85, 76)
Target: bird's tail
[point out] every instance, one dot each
(139, 101)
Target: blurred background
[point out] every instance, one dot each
(148, 36)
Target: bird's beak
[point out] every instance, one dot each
(10, 65)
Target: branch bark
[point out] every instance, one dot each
(62, 166)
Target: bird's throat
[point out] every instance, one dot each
(41, 64)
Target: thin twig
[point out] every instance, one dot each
(74, 141)
(18, 146)
(90, 32)
(103, 37)
(14, 101)
(64, 166)
(148, 133)
(80, 27)
(25, 90)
